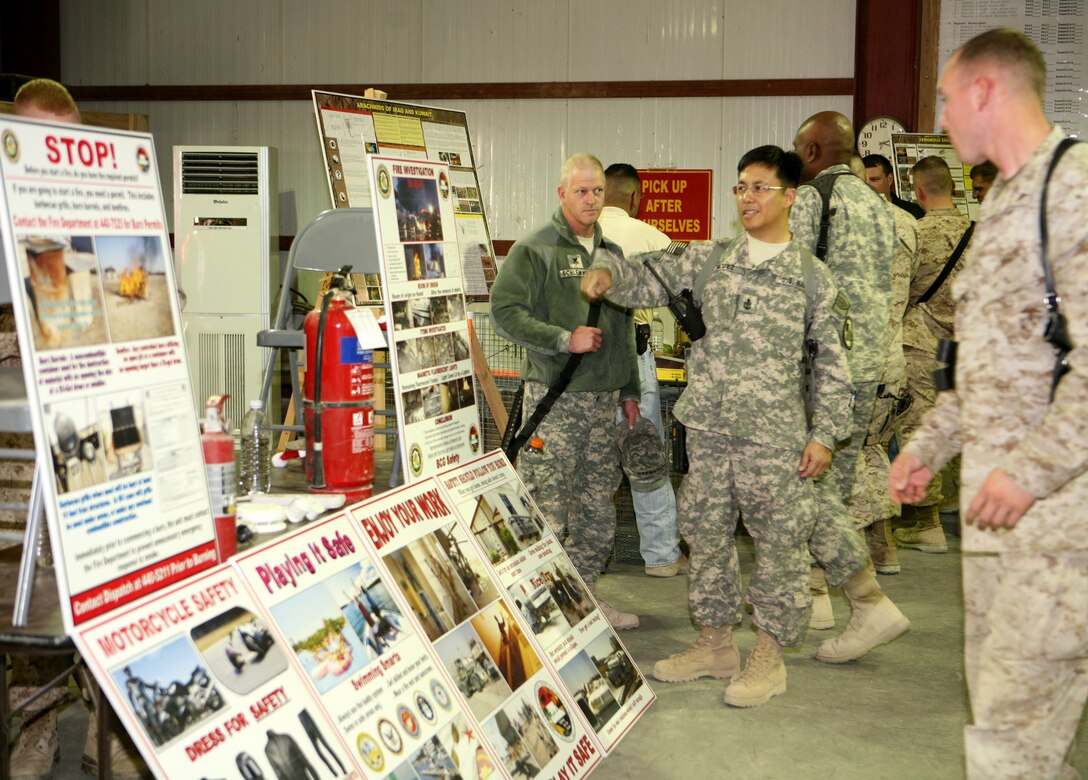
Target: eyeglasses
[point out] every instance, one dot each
(740, 190)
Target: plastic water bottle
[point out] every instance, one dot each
(255, 473)
(533, 454)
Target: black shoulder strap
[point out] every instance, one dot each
(949, 265)
(556, 390)
(1063, 146)
(808, 271)
(823, 185)
(1055, 332)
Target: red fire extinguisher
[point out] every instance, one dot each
(338, 397)
(218, 448)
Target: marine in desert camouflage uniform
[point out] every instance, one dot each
(749, 447)
(1025, 457)
(939, 232)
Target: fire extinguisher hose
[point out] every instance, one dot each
(318, 469)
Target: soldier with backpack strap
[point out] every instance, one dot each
(839, 217)
(751, 449)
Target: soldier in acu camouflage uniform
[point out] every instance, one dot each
(1025, 456)
(869, 502)
(939, 232)
(749, 446)
(861, 244)
(536, 302)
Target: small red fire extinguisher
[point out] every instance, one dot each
(338, 395)
(218, 446)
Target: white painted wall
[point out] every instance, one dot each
(519, 144)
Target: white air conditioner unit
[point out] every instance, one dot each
(226, 250)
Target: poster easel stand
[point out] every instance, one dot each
(15, 418)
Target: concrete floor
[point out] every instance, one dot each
(897, 713)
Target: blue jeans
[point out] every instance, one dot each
(655, 512)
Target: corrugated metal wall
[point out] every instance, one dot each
(519, 144)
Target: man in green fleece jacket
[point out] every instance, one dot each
(537, 303)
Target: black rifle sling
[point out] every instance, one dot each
(948, 266)
(556, 390)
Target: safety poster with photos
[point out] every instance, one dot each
(426, 316)
(438, 630)
(108, 389)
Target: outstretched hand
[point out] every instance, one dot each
(596, 282)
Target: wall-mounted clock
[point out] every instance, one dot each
(875, 136)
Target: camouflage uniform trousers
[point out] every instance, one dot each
(574, 483)
(869, 499)
(1026, 657)
(727, 476)
(835, 543)
(920, 365)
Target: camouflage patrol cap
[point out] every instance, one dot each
(642, 455)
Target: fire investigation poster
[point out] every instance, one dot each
(88, 263)
(426, 315)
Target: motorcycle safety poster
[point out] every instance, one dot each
(88, 262)
(206, 690)
(501, 675)
(540, 583)
(425, 314)
(348, 636)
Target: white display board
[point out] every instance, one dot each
(438, 630)
(426, 315)
(206, 689)
(352, 127)
(86, 250)
(554, 607)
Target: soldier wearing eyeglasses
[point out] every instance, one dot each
(749, 444)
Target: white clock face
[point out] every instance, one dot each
(875, 136)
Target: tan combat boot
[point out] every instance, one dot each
(712, 655)
(926, 534)
(125, 760)
(822, 618)
(764, 675)
(37, 750)
(882, 548)
(621, 621)
(875, 620)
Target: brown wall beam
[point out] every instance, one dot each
(531, 90)
(886, 60)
